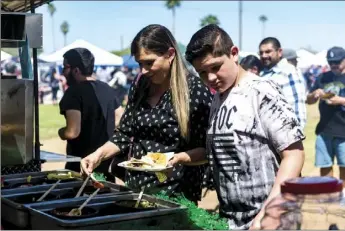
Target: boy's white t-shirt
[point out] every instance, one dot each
(247, 132)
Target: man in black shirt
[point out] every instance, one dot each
(330, 89)
(89, 106)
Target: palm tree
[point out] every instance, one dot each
(64, 29)
(172, 5)
(52, 10)
(263, 19)
(209, 19)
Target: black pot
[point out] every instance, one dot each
(86, 212)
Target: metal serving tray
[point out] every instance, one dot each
(26, 174)
(36, 180)
(16, 213)
(160, 218)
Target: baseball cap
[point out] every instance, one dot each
(335, 54)
(289, 54)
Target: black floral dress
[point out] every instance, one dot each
(155, 129)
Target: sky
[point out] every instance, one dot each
(315, 24)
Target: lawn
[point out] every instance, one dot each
(51, 121)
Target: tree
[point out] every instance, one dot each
(52, 10)
(209, 19)
(64, 29)
(172, 5)
(263, 19)
(126, 51)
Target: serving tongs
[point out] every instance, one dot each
(77, 211)
(49, 190)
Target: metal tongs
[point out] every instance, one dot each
(49, 190)
(77, 212)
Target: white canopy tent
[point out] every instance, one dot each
(102, 57)
(321, 58)
(305, 58)
(5, 55)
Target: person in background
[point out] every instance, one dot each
(285, 75)
(252, 64)
(167, 111)
(252, 148)
(89, 106)
(329, 90)
(54, 84)
(119, 78)
(103, 74)
(291, 56)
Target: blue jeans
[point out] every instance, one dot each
(327, 147)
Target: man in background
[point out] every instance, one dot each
(329, 90)
(291, 56)
(89, 106)
(284, 74)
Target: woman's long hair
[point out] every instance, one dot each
(158, 39)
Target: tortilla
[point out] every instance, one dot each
(158, 158)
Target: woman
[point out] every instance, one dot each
(167, 111)
(252, 64)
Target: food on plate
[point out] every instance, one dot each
(151, 160)
(158, 158)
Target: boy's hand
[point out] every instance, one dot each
(256, 225)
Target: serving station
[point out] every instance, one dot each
(32, 199)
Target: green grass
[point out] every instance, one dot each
(50, 121)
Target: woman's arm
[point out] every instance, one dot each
(194, 156)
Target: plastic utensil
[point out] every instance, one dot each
(83, 186)
(77, 212)
(139, 197)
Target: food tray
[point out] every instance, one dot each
(26, 174)
(158, 218)
(16, 213)
(36, 180)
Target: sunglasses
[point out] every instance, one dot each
(334, 62)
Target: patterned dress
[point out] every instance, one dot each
(155, 129)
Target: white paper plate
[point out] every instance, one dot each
(156, 169)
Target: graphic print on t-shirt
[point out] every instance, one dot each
(223, 148)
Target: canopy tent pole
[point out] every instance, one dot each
(36, 102)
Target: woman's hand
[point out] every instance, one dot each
(177, 159)
(92, 161)
(89, 163)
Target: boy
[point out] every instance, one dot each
(254, 140)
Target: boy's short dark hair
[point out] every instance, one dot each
(81, 58)
(210, 39)
(274, 41)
